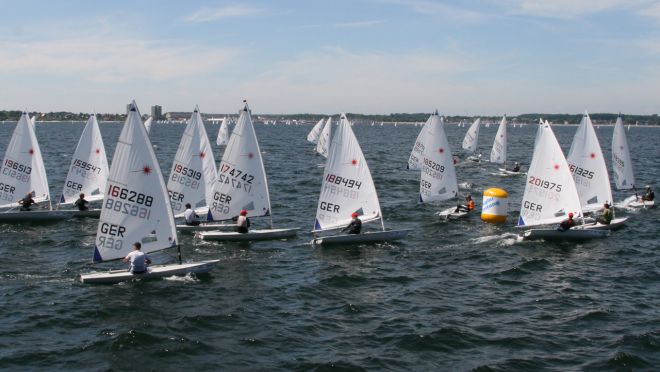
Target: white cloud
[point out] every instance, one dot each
(653, 11)
(570, 9)
(214, 14)
(358, 24)
(103, 60)
(428, 7)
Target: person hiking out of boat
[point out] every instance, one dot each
(567, 223)
(468, 206)
(138, 259)
(355, 226)
(606, 215)
(190, 216)
(649, 195)
(242, 222)
(516, 167)
(26, 202)
(81, 203)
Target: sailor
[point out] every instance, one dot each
(606, 215)
(190, 216)
(26, 202)
(469, 205)
(567, 223)
(516, 167)
(81, 203)
(138, 259)
(242, 222)
(649, 195)
(355, 226)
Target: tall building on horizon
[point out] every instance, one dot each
(157, 112)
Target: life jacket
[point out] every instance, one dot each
(471, 204)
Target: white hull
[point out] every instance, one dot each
(635, 202)
(574, 234)
(265, 234)
(211, 226)
(156, 271)
(506, 172)
(34, 216)
(616, 223)
(201, 211)
(367, 237)
(449, 214)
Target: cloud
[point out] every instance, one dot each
(569, 9)
(355, 24)
(102, 60)
(427, 7)
(652, 11)
(213, 14)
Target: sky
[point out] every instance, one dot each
(478, 57)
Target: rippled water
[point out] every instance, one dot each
(453, 296)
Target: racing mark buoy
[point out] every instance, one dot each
(495, 206)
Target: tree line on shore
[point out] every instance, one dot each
(14, 115)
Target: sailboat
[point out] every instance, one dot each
(438, 177)
(193, 170)
(223, 133)
(471, 139)
(415, 159)
(348, 188)
(88, 171)
(624, 178)
(242, 185)
(315, 133)
(22, 172)
(323, 144)
(136, 208)
(550, 193)
(147, 124)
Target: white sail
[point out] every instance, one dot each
(498, 153)
(323, 145)
(550, 192)
(622, 168)
(241, 182)
(223, 133)
(33, 121)
(88, 172)
(147, 124)
(415, 159)
(347, 184)
(136, 206)
(22, 169)
(193, 170)
(472, 136)
(315, 133)
(587, 164)
(438, 177)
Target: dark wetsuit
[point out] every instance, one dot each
(244, 229)
(515, 169)
(26, 203)
(81, 204)
(649, 196)
(354, 227)
(566, 224)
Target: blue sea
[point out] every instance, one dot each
(455, 295)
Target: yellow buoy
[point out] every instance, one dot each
(495, 205)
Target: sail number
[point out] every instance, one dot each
(433, 165)
(235, 173)
(18, 166)
(339, 180)
(578, 171)
(544, 184)
(130, 195)
(77, 163)
(187, 172)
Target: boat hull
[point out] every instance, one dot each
(265, 234)
(206, 227)
(506, 172)
(450, 214)
(573, 234)
(367, 237)
(616, 223)
(34, 216)
(156, 271)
